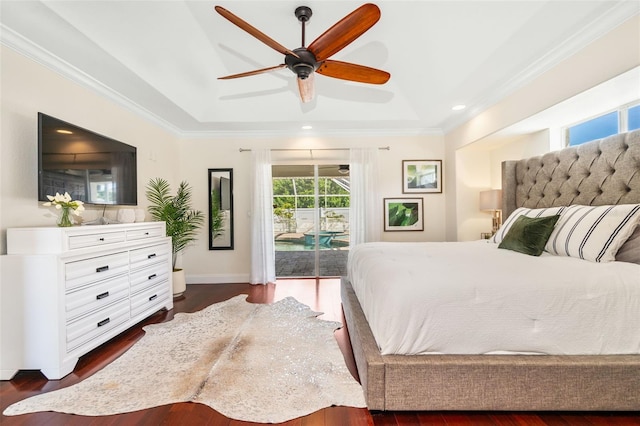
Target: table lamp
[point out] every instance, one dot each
(491, 200)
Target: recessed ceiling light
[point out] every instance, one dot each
(458, 107)
(307, 127)
(64, 132)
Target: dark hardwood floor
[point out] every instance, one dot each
(321, 295)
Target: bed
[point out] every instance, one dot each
(562, 372)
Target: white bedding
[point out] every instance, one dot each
(473, 298)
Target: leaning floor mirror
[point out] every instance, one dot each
(220, 209)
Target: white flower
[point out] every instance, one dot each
(60, 201)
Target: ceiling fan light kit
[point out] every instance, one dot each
(306, 61)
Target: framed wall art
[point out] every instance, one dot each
(421, 176)
(403, 214)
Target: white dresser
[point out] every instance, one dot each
(65, 291)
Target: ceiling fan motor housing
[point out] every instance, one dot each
(302, 66)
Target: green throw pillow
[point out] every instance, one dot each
(529, 235)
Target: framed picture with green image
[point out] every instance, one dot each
(421, 176)
(403, 214)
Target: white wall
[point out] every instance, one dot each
(27, 88)
(473, 176)
(199, 155)
(611, 55)
(479, 169)
(531, 145)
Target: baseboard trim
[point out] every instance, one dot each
(217, 279)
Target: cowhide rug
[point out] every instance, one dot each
(250, 362)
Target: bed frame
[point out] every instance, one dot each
(600, 172)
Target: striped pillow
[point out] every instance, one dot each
(523, 211)
(630, 250)
(593, 233)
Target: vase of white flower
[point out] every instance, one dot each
(66, 205)
(65, 217)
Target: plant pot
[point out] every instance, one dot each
(179, 282)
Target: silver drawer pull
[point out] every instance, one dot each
(155, 296)
(151, 255)
(104, 322)
(151, 276)
(102, 268)
(102, 295)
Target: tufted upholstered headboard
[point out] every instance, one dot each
(606, 171)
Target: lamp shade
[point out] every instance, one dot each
(491, 200)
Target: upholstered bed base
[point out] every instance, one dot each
(596, 173)
(488, 382)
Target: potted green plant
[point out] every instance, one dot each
(181, 220)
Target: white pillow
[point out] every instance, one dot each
(523, 211)
(593, 233)
(630, 250)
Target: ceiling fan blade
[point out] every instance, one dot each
(353, 72)
(253, 31)
(345, 31)
(306, 88)
(255, 72)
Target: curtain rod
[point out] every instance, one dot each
(386, 148)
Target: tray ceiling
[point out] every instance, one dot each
(162, 58)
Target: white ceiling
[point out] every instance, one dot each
(162, 58)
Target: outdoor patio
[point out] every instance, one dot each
(333, 263)
(294, 239)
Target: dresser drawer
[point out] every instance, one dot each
(150, 300)
(148, 276)
(159, 253)
(94, 269)
(144, 233)
(95, 240)
(96, 296)
(91, 326)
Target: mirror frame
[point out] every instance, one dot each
(227, 240)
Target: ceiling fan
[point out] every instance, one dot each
(306, 61)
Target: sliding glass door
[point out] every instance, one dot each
(311, 220)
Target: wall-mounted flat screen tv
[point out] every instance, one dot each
(92, 168)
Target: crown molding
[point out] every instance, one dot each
(27, 48)
(602, 25)
(263, 134)
(596, 29)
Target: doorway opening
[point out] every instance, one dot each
(311, 220)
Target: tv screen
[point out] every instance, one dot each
(90, 167)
